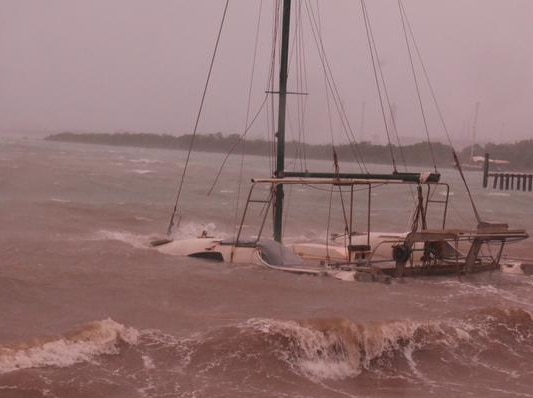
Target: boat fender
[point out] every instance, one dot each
(401, 253)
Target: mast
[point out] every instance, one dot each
(280, 136)
(282, 110)
(474, 127)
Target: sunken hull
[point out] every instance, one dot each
(368, 255)
(424, 253)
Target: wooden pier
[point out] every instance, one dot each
(505, 181)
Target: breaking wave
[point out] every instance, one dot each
(337, 349)
(144, 160)
(135, 240)
(58, 200)
(141, 241)
(91, 340)
(488, 345)
(193, 230)
(142, 171)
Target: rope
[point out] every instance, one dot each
(174, 211)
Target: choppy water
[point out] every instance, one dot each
(90, 310)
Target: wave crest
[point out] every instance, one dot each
(92, 339)
(338, 349)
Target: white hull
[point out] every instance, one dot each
(214, 249)
(308, 258)
(429, 252)
(311, 253)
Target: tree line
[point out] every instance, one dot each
(419, 154)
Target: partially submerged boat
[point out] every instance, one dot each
(423, 249)
(356, 255)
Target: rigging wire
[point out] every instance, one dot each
(476, 214)
(417, 85)
(328, 224)
(326, 87)
(334, 89)
(426, 76)
(235, 144)
(343, 207)
(301, 87)
(248, 106)
(372, 49)
(296, 53)
(330, 124)
(174, 211)
(386, 92)
(405, 22)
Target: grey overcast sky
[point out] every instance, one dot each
(140, 65)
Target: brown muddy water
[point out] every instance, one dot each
(88, 309)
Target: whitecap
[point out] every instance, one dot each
(148, 362)
(188, 230)
(144, 160)
(91, 340)
(335, 349)
(137, 241)
(57, 200)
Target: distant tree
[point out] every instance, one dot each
(420, 154)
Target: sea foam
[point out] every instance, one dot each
(84, 344)
(137, 241)
(335, 349)
(142, 171)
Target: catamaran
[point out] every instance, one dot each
(423, 249)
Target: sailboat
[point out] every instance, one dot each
(351, 255)
(476, 162)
